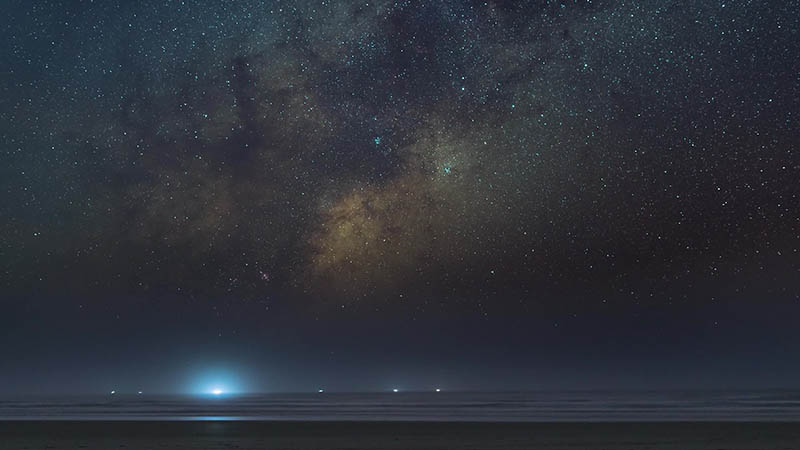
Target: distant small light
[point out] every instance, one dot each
(217, 391)
(113, 392)
(438, 390)
(321, 391)
(140, 392)
(394, 390)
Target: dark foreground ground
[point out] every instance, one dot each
(395, 435)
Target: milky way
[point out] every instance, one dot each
(459, 157)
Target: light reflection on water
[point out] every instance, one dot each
(775, 405)
(214, 418)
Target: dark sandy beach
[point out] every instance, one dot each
(395, 435)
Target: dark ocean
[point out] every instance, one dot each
(573, 406)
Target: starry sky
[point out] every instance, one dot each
(478, 195)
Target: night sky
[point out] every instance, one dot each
(360, 195)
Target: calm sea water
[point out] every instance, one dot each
(420, 406)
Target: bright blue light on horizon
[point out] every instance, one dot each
(216, 383)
